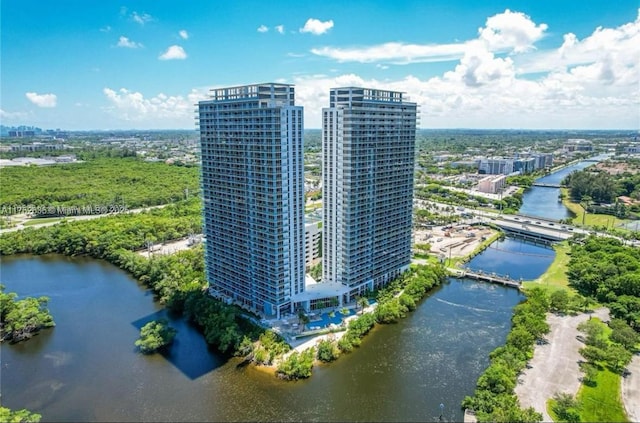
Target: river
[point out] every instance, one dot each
(87, 368)
(543, 202)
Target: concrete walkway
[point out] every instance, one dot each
(554, 366)
(631, 390)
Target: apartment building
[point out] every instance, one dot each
(253, 187)
(368, 145)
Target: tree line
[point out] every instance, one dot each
(494, 399)
(99, 183)
(591, 187)
(604, 269)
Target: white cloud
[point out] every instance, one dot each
(174, 52)
(483, 91)
(280, 28)
(105, 29)
(263, 28)
(617, 44)
(161, 111)
(316, 26)
(184, 34)
(9, 117)
(393, 52)
(511, 31)
(141, 18)
(42, 100)
(127, 43)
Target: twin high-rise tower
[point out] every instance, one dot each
(253, 187)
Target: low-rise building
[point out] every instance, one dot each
(312, 241)
(575, 144)
(492, 184)
(495, 166)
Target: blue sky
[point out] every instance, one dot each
(493, 64)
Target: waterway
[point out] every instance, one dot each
(543, 202)
(87, 368)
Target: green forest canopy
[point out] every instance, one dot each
(100, 182)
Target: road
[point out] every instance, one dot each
(516, 219)
(21, 225)
(631, 390)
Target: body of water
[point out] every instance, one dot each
(543, 202)
(514, 258)
(87, 368)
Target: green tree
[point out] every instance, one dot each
(590, 373)
(297, 365)
(617, 357)
(19, 319)
(566, 407)
(327, 350)
(623, 334)
(559, 301)
(155, 335)
(18, 416)
(362, 302)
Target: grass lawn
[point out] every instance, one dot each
(42, 220)
(602, 402)
(590, 219)
(556, 275)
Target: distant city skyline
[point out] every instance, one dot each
(500, 64)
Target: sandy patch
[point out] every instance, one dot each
(459, 241)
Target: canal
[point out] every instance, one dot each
(87, 368)
(543, 201)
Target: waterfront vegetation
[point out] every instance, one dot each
(494, 398)
(480, 248)
(19, 416)
(155, 335)
(21, 319)
(99, 184)
(393, 303)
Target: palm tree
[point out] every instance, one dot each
(585, 203)
(362, 302)
(302, 318)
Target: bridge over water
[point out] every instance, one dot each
(486, 277)
(546, 185)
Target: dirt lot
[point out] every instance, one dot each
(168, 248)
(461, 238)
(554, 367)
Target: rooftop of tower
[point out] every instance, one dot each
(348, 95)
(284, 93)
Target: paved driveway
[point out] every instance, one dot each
(554, 366)
(631, 390)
